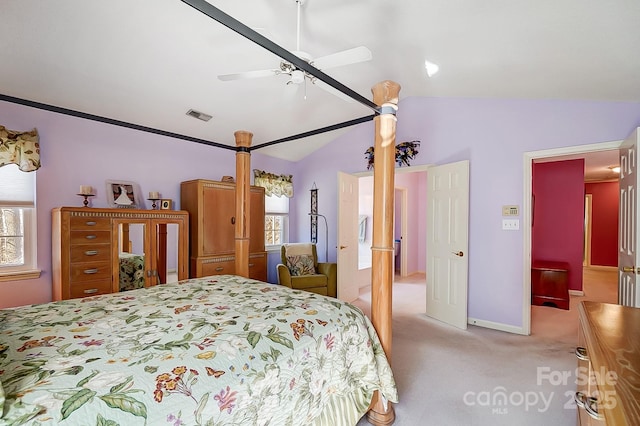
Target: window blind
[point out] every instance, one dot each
(17, 188)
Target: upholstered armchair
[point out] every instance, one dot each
(301, 270)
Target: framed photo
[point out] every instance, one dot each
(124, 194)
(165, 204)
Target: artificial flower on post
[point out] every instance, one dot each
(405, 151)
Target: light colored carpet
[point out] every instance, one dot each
(446, 376)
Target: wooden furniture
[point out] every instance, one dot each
(550, 284)
(608, 382)
(212, 207)
(91, 248)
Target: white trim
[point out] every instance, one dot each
(528, 158)
(496, 326)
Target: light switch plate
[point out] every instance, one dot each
(510, 224)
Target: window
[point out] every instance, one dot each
(276, 220)
(17, 223)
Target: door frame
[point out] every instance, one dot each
(397, 170)
(526, 213)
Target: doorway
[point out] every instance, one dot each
(580, 151)
(409, 224)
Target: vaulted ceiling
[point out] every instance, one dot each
(148, 62)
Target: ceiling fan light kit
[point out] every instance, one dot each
(298, 76)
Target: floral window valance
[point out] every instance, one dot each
(21, 148)
(273, 184)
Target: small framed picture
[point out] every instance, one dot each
(124, 194)
(165, 204)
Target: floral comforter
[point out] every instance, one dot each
(222, 350)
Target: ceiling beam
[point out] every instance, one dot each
(107, 120)
(237, 26)
(317, 131)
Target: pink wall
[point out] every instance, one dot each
(604, 222)
(558, 217)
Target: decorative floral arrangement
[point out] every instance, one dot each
(405, 151)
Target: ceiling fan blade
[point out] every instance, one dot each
(345, 57)
(249, 74)
(324, 86)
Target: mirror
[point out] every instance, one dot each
(167, 252)
(131, 256)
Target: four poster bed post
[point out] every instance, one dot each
(243, 167)
(385, 94)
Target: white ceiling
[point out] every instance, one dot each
(148, 61)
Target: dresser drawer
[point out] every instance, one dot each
(203, 267)
(90, 253)
(90, 288)
(258, 267)
(86, 223)
(90, 271)
(91, 237)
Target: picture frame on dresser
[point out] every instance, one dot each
(124, 194)
(166, 204)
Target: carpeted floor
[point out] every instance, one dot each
(446, 376)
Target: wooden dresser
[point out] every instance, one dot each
(609, 355)
(550, 284)
(98, 251)
(211, 205)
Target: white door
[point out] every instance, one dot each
(628, 264)
(448, 242)
(348, 289)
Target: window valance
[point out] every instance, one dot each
(273, 184)
(21, 148)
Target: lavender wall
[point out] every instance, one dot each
(492, 135)
(78, 152)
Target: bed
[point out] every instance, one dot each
(217, 350)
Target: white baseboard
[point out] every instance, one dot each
(496, 326)
(576, 293)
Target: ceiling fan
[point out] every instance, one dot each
(298, 76)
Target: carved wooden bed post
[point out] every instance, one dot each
(385, 94)
(243, 178)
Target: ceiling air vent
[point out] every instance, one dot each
(199, 115)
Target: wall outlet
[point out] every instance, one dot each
(510, 224)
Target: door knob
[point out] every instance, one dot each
(628, 269)
(343, 247)
(459, 254)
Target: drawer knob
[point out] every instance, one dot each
(90, 291)
(91, 252)
(91, 271)
(251, 265)
(581, 353)
(219, 268)
(90, 237)
(91, 223)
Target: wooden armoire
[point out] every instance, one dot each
(211, 206)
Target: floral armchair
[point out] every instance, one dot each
(301, 270)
